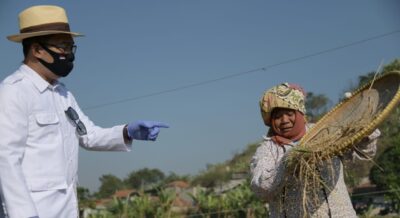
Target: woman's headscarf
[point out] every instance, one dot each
(289, 96)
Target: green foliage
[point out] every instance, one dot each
(220, 173)
(394, 66)
(144, 205)
(142, 177)
(240, 161)
(238, 202)
(316, 106)
(138, 206)
(390, 178)
(364, 79)
(109, 184)
(164, 206)
(388, 150)
(175, 177)
(84, 198)
(207, 202)
(118, 207)
(389, 129)
(214, 175)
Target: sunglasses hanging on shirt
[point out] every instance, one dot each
(74, 117)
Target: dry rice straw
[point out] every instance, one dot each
(323, 141)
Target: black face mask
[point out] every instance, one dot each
(62, 64)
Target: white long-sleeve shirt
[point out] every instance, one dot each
(39, 144)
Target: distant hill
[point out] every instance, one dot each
(216, 174)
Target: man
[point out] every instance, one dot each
(283, 111)
(41, 124)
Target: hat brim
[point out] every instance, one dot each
(20, 37)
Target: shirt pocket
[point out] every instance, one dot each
(45, 129)
(45, 184)
(44, 119)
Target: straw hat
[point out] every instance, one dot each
(42, 20)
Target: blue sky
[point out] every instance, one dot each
(138, 48)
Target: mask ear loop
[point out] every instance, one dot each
(52, 53)
(69, 56)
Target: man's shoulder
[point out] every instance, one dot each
(14, 78)
(11, 88)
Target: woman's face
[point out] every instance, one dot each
(284, 119)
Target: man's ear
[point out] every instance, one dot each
(36, 50)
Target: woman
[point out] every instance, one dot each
(283, 111)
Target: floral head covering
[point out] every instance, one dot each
(284, 95)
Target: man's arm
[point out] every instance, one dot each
(117, 138)
(13, 135)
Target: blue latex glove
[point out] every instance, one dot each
(145, 130)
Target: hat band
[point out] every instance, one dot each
(46, 27)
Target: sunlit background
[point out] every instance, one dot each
(202, 66)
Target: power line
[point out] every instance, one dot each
(265, 68)
(173, 89)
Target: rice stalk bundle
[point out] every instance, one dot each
(340, 130)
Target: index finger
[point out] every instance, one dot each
(162, 125)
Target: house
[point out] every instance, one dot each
(100, 208)
(183, 200)
(178, 185)
(125, 194)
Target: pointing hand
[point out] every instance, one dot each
(145, 130)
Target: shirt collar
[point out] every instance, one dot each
(40, 83)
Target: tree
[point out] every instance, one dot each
(83, 193)
(388, 157)
(109, 184)
(237, 202)
(316, 106)
(364, 79)
(84, 198)
(164, 204)
(174, 177)
(212, 176)
(137, 179)
(390, 178)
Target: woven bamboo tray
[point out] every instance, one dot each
(354, 118)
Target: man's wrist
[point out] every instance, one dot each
(127, 139)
